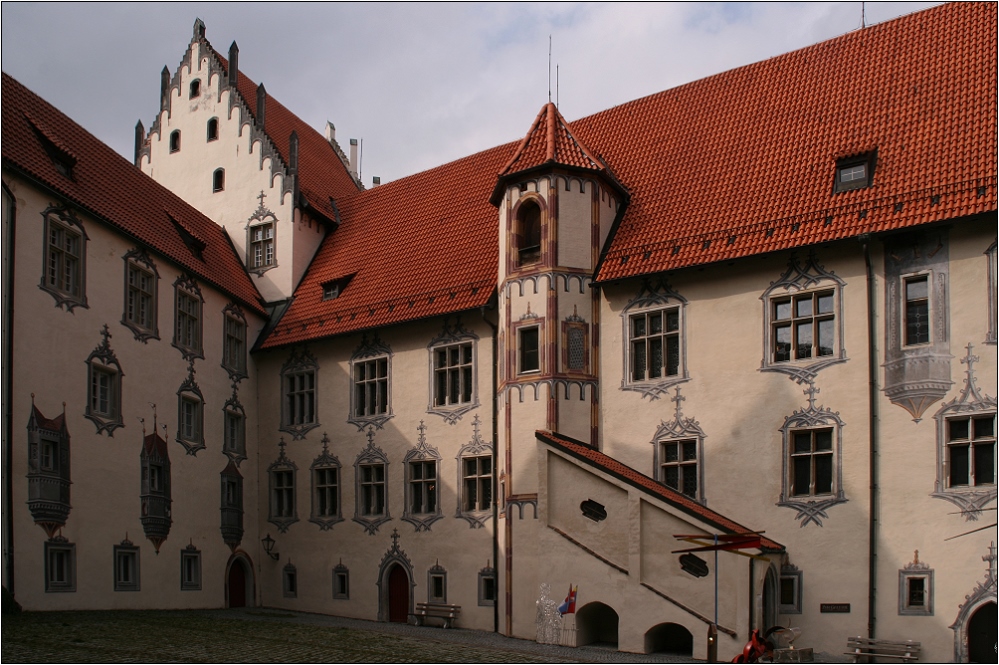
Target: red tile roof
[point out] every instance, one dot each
(154, 445)
(322, 173)
(57, 424)
(417, 247)
(611, 466)
(110, 188)
(743, 162)
(736, 164)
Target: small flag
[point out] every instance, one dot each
(569, 606)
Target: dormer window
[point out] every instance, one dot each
(333, 288)
(854, 173)
(213, 129)
(195, 88)
(529, 233)
(175, 141)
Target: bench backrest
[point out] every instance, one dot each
(887, 647)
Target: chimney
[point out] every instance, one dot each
(164, 88)
(330, 133)
(233, 64)
(140, 137)
(375, 181)
(261, 103)
(353, 157)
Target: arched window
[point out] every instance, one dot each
(218, 180)
(195, 88)
(213, 129)
(529, 233)
(175, 141)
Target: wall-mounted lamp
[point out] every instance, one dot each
(268, 544)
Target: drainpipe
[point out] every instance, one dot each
(9, 227)
(495, 479)
(872, 371)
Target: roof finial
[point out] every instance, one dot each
(549, 69)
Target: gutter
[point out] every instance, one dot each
(9, 228)
(872, 371)
(495, 478)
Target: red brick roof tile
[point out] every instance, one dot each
(743, 162)
(322, 174)
(611, 466)
(549, 141)
(110, 188)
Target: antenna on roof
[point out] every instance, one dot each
(863, 15)
(549, 69)
(556, 85)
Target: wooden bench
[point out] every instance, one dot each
(863, 647)
(449, 613)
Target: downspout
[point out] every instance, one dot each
(9, 227)
(495, 478)
(872, 371)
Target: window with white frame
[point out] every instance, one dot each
(423, 487)
(341, 582)
(234, 429)
(790, 590)
(372, 495)
(487, 587)
(262, 245)
(915, 588)
(371, 384)
(477, 483)
(299, 404)
(104, 387)
(678, 466)
(422, 465)
(64, 275)
(126, 566)
(371, 507)
(141, 279)
(971, 450)
(187, 310)
(190, 569)
(453, 376)
(234, 341)
(60, 565)
(654, 329)
(437, 584)
(811, 463)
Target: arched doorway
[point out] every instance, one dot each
(982, 634)
(596, 623)
(769, 600)
(398, 594)
(239, 582)
(671, 638)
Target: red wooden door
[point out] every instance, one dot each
(398, 584)
(237, 584)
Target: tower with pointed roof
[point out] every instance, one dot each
(557, 202)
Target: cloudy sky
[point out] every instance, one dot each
(420, 84)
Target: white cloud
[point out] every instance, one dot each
(422, 84)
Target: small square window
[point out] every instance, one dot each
(854, 173)
(915, 590)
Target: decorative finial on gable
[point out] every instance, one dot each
(199, 29)
(233, 64)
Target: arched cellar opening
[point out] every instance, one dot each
(596, 623)
(669, 638)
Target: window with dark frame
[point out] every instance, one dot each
(175, 141)
(140, 297)
(105, 398)
(187, 332)
(234, 435)
(453, 374)
(528, 351)
(678, 466)
(477, 483)
(341, 583)
(790, 590)
(326, 492)
(528, 233)
(218, 180)
(487, 587)
(655, 344)
(195, 90)
(262, 245)
(213, 129)
(437, 585)
(190, 426)
(60, 566)
(300, 397)
(811, 466)
(854, 173)
(423, 487)
(370, 387)
(234, 349)
(126, 567)
(917, 310)
(803, 326)
(282, 493)
(971, 451)
(190, 569)
(64, 265)
(290, 581)
(372, 490)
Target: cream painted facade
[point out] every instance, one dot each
(556, 411)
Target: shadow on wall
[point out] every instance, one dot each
(671, 638)
(596, 622)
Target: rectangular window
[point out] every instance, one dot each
(341, 584)
(453, 374)
(803, 326)
(655, 344)
(234, 350)
(140, 299)
(811, 462)
(917, 310)
(477, 483)
(283, 493)
(326, 481)
(234, 433)
(300, 397)
(188, 333)
(678, 466)
(915, 590)
(290, 577)
(189, 427)
(371, 387)
(487, 587)
(190, 569)
(971, 451)
(103, 391)
(262, 246)
(155, 478)
(48, 455)
(60, 567)
(372, 490)
(529, 356)
(64, 260)
(437, 593)
(790, 591)
(854, 173)
(126, 568)
(575, 343)
(423, 487)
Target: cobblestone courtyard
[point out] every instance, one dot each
(266, 636)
